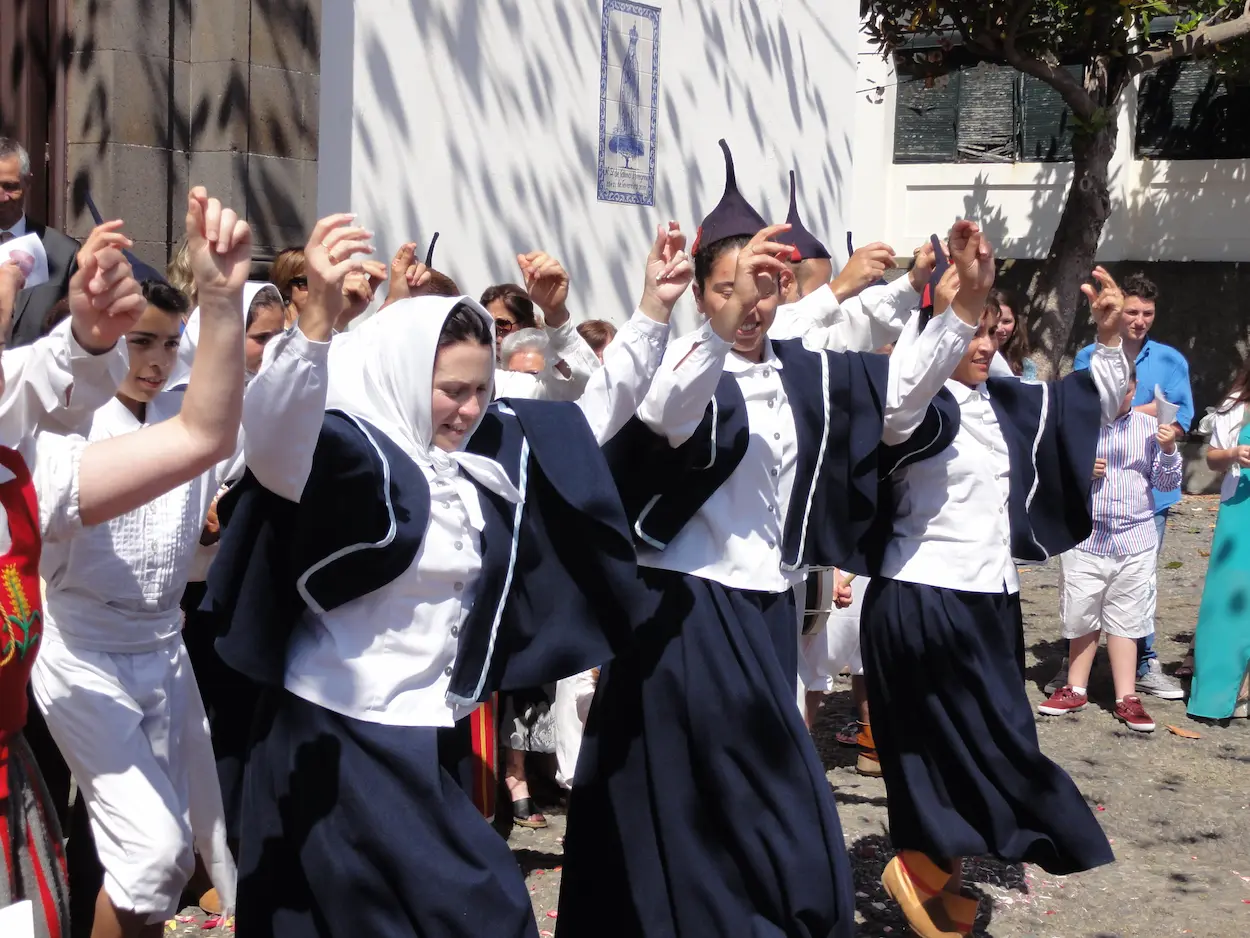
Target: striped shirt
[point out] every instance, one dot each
(1123, 505)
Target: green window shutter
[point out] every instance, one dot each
(1045, 122)
(1187, 111)
(924, 118)
(986, 125)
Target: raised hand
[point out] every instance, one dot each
(1105, 304)
(547, 284)
(12, 279)
(669, 272)
(972, 256)
(1166, 438)
(399, 286)
(865, 267)
(947, 290)
(105, 300)
(219, 246)
(331, 254)
(760, 262)
(922, 268)
(358, 289)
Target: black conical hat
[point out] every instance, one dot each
(139, 270)
(733, 215)
(808, 244)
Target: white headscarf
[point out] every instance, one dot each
(383, 373)
(191, 334)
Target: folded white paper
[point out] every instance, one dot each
(30, 256)
(1165, 410)
(18, 921)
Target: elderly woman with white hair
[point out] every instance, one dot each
(400, 549)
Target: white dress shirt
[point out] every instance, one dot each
(116, 587)
(50, 386)
(735, 537)
(387, 657)
(862, 323)
(1224, 435)
(952, 528)
(568, 346)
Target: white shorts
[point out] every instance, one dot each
(133, 732)
(573, 697)
(823, 654)
(1114, 594)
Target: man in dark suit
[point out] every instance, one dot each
(31, 310)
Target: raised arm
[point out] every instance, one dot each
(923, 361)
(615, 391)
(826, 318)
(1166, 466)
(1107, 366)
(547, 283)
(120, 474)
(692, 365)
(286, 402)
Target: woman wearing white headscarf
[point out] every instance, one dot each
(401, 549)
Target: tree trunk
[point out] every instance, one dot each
(1055, 292)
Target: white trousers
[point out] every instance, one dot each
(133, 731)
(573, 697)
(823, 654)
(1114, 594)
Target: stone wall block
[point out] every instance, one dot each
(283, 113)
(218, 106)
(286, 34)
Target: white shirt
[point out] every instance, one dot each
(116, 587)
(567, 346)
(50, 385)
(735, 537)
(386, 657)
(952, 528)
(1224, 435)
(862, 323)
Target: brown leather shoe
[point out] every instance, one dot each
(961, 910)
(915, 882)
(210, 902)
(868, 763)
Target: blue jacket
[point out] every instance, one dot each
(1165, 366)
(558, 590)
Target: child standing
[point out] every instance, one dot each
(1109, 578)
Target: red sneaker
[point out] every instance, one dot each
(1130, 712)
(1064, 700)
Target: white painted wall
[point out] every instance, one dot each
(480, 119)
(1161, 209)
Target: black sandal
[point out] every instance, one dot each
(526, 814)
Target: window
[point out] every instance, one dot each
(1188, 111)
(977, 113)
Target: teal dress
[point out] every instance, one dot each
(1222, 643)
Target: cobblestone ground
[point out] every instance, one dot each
(1175, 809)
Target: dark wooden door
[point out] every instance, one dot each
(32, 97)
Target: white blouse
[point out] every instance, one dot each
(387, 657)
(952, 527)
(735, 537)
(1224, 435)
(116, 587)
(863, 323)
(568, 346)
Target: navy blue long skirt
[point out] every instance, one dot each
(956, 734)
(354, 829)
(700, 807)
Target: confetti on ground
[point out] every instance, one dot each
(552, 913)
